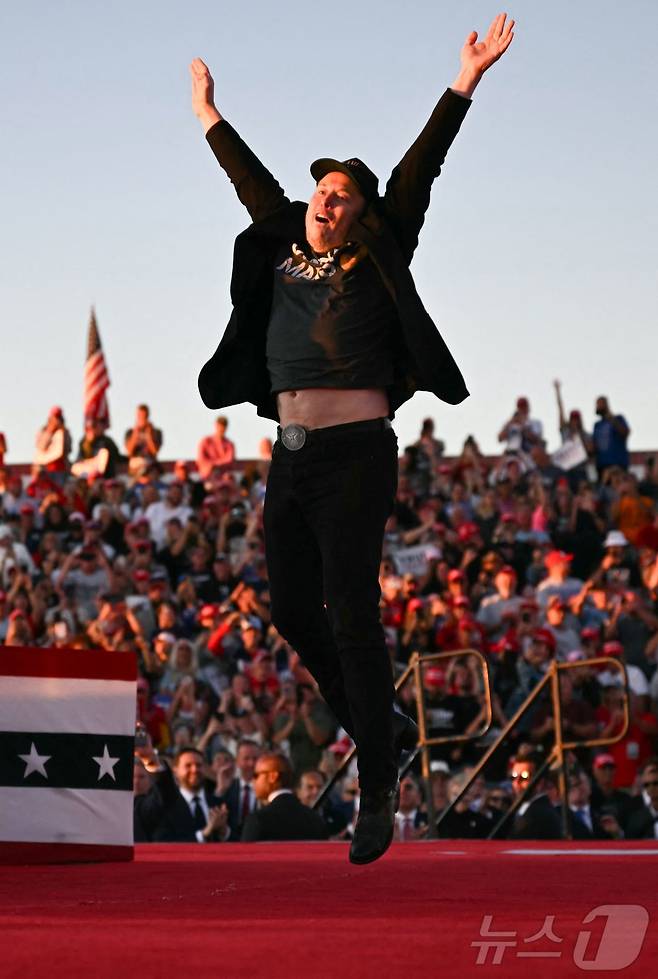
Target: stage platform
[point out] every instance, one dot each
(301, 910)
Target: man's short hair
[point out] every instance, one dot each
(222, 420)
(187, 749)
(247, 743)
(649, 763)
(310, 771)
(280, 764)
(143, 408)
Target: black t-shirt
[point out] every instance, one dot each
(329, 326)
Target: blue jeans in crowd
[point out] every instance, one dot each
(325, 509)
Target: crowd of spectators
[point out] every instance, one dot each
(526, 558)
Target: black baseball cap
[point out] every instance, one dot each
(354, 168)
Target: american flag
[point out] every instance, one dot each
(97, 379)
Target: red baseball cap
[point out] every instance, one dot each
(612, 648)
(342, 746)
(55, 412)
(604, 759)
(206, 611)
(507, 569)
(504, 645)
(557, 557)
(467, 530)
(456, 575)
(434, 676)
(141, 575)
(589, 632)
(546, 636)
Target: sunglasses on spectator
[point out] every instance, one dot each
(650, 785)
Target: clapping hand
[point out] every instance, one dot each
(217, 820)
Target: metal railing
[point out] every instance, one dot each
(414, 671)
(556, 757)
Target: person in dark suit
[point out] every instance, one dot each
(282, 816)
(239, 794)
(541, 819)
(410, 819)
(147, 803)
(328, 336)
(607, 800)
(537, 818)
(585, 823)
(190, 812)
(643, 823)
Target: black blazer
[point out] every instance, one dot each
(285, 818)
(175, 824)
(389, 228)
(147, 813)
(640, 825)
(467, 825)
(233, 801)
(543, 821)
(540, 821)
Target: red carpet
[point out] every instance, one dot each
(291, 910)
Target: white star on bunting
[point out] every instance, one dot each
(34, 762)
(105, 764)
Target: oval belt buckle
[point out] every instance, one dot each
(293, 437)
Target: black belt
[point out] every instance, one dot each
(293, 437)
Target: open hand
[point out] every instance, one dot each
(203, 94)
(478, 56)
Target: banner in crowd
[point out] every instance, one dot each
(571, 453)
(415, 560)
(67, 727)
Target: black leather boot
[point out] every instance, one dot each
(374, 826)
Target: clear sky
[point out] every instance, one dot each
(537, 259)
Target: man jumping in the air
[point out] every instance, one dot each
(329, 337)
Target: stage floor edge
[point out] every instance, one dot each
(301, 909)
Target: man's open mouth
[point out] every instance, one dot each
(321, 219)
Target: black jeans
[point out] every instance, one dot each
(325, 510)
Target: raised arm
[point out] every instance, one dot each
(560, 405)
(254, 184)
(407, 194)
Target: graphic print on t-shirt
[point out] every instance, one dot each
(301, 267)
